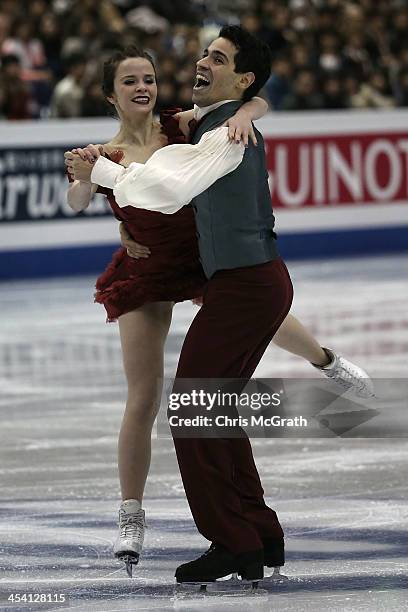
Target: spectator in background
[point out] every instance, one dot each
(351, 86)
(184, 97)
(15, 100)
(185, 74)
(399, 30)
(356, 57)
(375, 93)
(402, 60)
(276, 26)
(301, 57)
(329, 58)
(304, 95)
(334, 96)
(85, 36)
(35, 9)
(28, 49)
(93, 101)
(33, 61)
(176, 10)
(403, 87)
(278, 85)
(105, 16)
(68, 93)
(50, 34)
(326, 18)
(4, 29)
(168, 66)
(251, 22)
(354, 38)
(167, 95)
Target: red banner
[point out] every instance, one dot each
(337, 170)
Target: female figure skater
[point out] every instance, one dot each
(140, 290)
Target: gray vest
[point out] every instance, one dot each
(234, 216)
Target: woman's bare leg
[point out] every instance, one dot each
(143, 333)
(295, 338)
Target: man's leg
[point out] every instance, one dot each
(242, 310)
(246, 476)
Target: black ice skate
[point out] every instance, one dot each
(217, 563)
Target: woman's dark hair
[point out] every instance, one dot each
(252, 55)
(111, 65)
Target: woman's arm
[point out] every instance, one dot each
(256, 108)
(239, 125)
(184, 118)
(80, 194)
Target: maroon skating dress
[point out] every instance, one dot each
(172, 272)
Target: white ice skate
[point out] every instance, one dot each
(348, 375)
(129, 542)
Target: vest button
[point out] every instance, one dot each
(197, 234)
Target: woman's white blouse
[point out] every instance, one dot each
(173, 175)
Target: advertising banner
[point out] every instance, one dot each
(338, 181)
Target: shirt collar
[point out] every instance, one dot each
(199, 113)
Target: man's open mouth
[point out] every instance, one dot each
(143, 100)
(201, 81)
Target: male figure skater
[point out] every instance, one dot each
(248, 295)
(246, 299)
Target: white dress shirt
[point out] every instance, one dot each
(173, 175)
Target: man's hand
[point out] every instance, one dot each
(240, 128)
(79, 161)
(133, 249)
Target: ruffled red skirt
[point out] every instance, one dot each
(171, 273)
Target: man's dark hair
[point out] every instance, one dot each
(252, 55)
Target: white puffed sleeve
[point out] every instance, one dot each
(172, 176)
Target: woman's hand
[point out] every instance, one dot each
(240, 127)
(78, 161)
(79, 169)
(89, 153)
(133, 249)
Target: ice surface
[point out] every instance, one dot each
(343, 503)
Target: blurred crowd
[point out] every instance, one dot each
(327, 54)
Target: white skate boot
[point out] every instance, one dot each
(347, 375)
(129, 542)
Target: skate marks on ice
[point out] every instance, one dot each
(332, 567)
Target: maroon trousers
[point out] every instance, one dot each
(242, 310)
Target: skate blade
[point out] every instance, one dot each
(276, 576)
(227, 586)
(130, 561)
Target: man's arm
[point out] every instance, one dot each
(172, 176)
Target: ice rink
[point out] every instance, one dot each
(343, 502)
